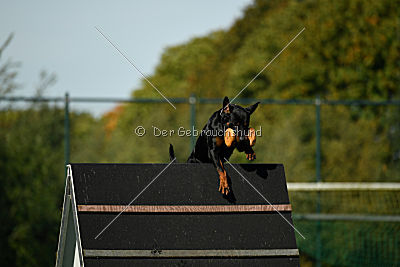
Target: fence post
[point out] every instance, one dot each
(318, 138)
(192, 102)
(318, 177)
(66, 129)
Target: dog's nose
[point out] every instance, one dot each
(242, 138)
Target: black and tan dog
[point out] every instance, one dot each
(227, 129)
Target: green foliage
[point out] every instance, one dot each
(349, 50)
(32, 180)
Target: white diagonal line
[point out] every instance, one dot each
(141, 73)
(265, 199)
(144, 189)
(255, 77)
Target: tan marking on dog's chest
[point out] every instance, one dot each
(229, 137)
(219, 141)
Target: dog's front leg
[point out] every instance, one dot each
(246, 148)
(223, 180)
(252, 136)
(250, 154)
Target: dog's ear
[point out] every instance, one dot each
(251, 109)
(225, 105)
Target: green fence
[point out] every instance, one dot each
(193, 100)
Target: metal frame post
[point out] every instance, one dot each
(318, 177)
(318, 139)
(192, 103)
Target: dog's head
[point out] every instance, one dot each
(237, 118)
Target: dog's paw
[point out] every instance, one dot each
(251, 156)
(223, 185)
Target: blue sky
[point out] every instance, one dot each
(60, 38)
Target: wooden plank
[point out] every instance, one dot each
(181, 253)
(185, 208)
(187, 230)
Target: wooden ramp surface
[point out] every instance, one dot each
(181, 218)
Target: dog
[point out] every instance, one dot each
(227, 129)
